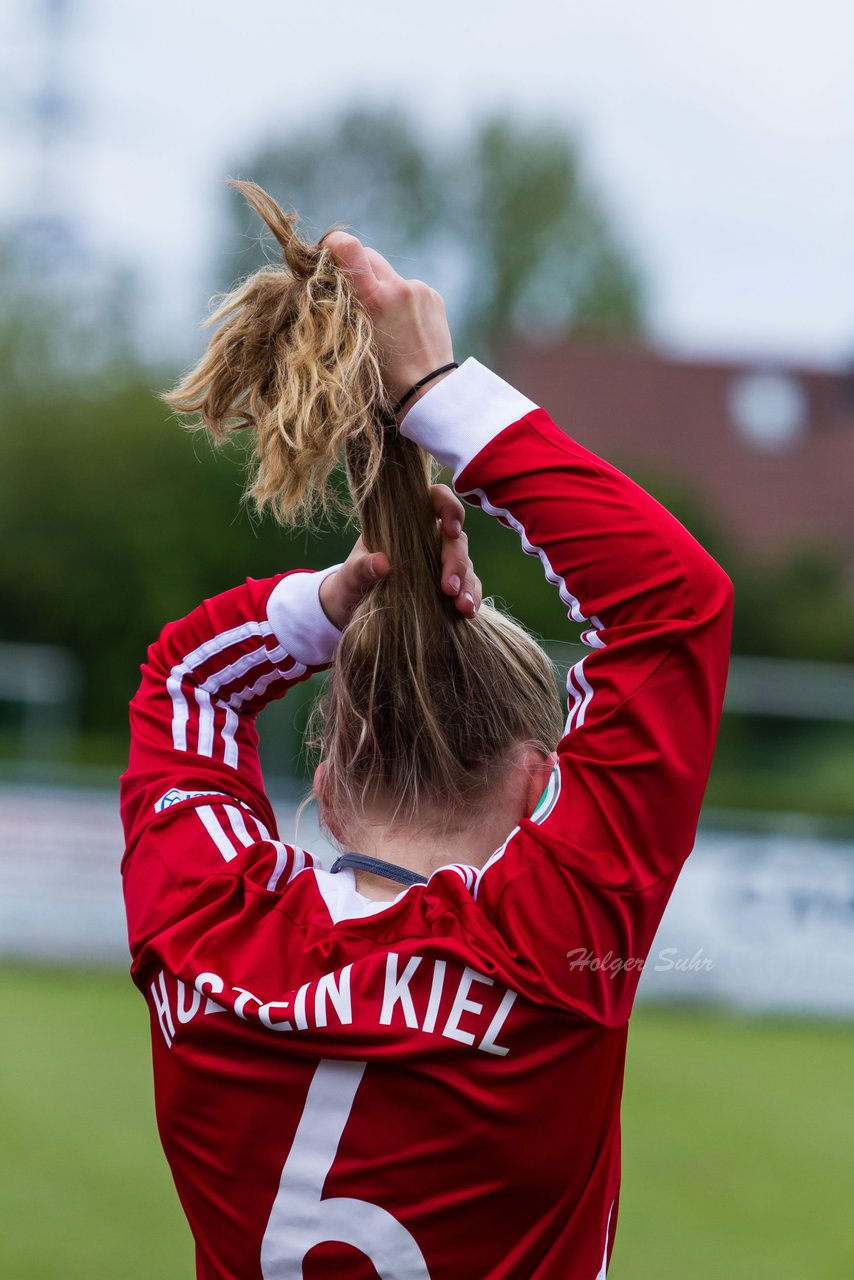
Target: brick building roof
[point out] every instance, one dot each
(768, 448)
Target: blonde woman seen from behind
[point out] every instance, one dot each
(398, 1068)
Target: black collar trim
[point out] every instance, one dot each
(376, 866)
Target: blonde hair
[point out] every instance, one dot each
(424, 708)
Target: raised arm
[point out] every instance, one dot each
(194, 780)
(192, 721)
(577, 892)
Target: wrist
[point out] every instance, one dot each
(458, 418)
(299, 621)
(330, 598)
(421, 393)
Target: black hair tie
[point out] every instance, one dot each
(404, 400)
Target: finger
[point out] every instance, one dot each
(351, 256)
(382, 268)
(456, 566)
(360, 572)
(378, 566)
(371, 568)
(473, 590)
(465, 605)
(449, 510)
(471, 596)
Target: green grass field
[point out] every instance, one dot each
(738, 1143)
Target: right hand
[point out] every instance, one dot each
(341, 591)
(410, 326)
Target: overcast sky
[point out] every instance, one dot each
(720, 135)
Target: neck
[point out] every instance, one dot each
(422, 852)
(427, 846)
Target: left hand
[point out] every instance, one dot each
(341, 591)
(410, 327)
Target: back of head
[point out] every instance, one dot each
(424, 708)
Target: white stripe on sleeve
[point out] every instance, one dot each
(290, 858)
(217, 833)
(209, 649)
(238, 825)
(581, 680)
(228, 736)
(206, 722)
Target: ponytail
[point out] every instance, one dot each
(423, 708)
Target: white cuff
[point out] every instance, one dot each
(299, 624)
(462, 413)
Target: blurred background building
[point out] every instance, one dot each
(768, 447)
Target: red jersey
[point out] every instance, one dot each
(428, 1088)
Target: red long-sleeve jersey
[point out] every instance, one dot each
(429, 1088)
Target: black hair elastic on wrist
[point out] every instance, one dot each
(404, 400)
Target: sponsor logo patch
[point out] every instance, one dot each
(175, 796)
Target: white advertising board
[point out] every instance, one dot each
(759, 922)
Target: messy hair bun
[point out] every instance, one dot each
(293, 358)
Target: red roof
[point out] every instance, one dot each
(768, 448)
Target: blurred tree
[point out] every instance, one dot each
(59, 327)
(541, 253)
(800, 605)
(113, 521)
(503, 221)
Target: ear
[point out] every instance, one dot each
(319, 774)
(539, 771)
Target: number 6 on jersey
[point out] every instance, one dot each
(300, 1219)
